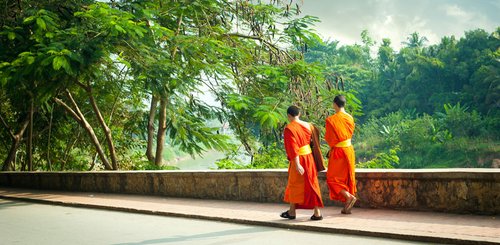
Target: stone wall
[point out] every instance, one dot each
(444, 190)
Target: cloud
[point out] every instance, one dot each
(455, 11)
(388, 20)
(343, 20)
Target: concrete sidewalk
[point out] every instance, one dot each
(415, 226)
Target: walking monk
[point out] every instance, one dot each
(302, 190)
(340, 174)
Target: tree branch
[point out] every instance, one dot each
(77, 109)
(261, 40)
(85, 87)
(7, 127)
(68, 109)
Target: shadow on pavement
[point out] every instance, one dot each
(199, 236)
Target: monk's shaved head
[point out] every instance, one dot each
(293, 111)
(340, 101)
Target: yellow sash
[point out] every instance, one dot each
(344, 143)
(304, 150)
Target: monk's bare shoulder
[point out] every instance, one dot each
(305, 124)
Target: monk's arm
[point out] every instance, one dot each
(291, 146)
(296, 162)
(292, 151)
(330, 136)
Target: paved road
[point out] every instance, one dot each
(30, 223)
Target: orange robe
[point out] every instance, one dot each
(341, 161)
(303, 190)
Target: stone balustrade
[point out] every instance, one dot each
(443, 190)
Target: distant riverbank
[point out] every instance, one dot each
(205, 162)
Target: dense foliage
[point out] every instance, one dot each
(419, 107)
(107, 85)
(423, 106)
(89, 85)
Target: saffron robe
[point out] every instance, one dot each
(341, 160)
(303, 190)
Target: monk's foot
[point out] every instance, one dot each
(314, 217)
(348, 205)
(287, 215)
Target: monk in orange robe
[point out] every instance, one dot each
(341, 161)
(302, 190)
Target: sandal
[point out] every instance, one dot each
(348, 206)
(286, 215)
(314, 217)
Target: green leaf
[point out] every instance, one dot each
(29, 20)
(60, 61)
(24, 54)
(41, 23)
(4, 64)
(267, 118)
(123, 61)
(30, 59)
(120, 29)
(47, 61)
(11, 35)
(67, 66)
(139, 32)
(239, 102)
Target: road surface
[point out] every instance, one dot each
(30, 223)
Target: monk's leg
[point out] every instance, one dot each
(317, 212)
(350, 200)
(291, 211)
(348, 196)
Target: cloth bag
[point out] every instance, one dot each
(316, 150)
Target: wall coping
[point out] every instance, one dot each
(358, 170)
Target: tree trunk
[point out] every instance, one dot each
(151, 128)
(162, 127)
(49, 162)
(16, 140)
(69, 146)
(78, 116)
(29, 141)
(7, 164)
(105, 128)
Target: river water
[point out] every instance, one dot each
(205, 162)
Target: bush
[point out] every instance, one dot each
(453, 138)
(273, 156)
(228, 163)
(460, 122)
(383, 160)
(375, 139)
(151, 166)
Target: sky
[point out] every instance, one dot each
(343, 20)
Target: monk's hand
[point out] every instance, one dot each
(300, 169)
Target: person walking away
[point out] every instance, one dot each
(340, 176)
(302, 190)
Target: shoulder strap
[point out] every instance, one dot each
(316, 151)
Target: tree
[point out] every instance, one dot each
(23, 33)
(235, 64)
(72, 48)
(169, 48)
(415, 41)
